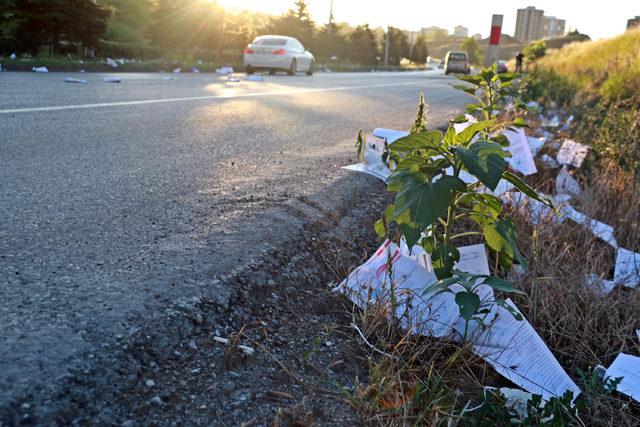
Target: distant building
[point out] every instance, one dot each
(529, 24)
(552, 27)
(477, 36)
(460, 31)
(633, 23)
(434, 32)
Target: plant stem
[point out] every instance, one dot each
(468, 233)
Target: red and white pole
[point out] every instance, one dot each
(493, 50)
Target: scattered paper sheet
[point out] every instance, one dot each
(459, 127)
(554, 122)
(112, 63)
(627, 367)
(224, 71)
(536, 144)
(195, 70)
(549, 161)
(13, 56)
(112, 80)
(521, 158)
(255, 78)
(599, 285)
(40, 69)
(518, 353)
(567, 124)
(627, 270)
(177, 70)
(389, 134)
(422, 314)
(533, 105)
(566, 183)
(72, 80)
(232, 79)
(572, 153)
(473, 260)
(380, 173)
(538, 212)
(599, 229)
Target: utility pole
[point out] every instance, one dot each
(330, 30)
(386, 48)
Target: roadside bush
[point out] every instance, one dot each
(546, 86)
(535, 50)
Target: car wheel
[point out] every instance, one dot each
(311, 69)
(446, 73)
(249, 70)
(272, 72)
(293, 68)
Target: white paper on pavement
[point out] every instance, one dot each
(421, 314)
(566, 183)
(627, 270)
(40, 69)
(112, 80)
(599, 229)
(177, 70)
(521, 158)
(224, 71)
(379, 172)
(112, 63)
(572, 153)
(627, 367)
(518, 353)
(72, 80)
(255, 78)
(389, 134)
(232, 79)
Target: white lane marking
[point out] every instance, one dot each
(202, 98)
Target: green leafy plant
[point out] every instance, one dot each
(432, 199)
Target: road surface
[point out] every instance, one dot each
(118, 200)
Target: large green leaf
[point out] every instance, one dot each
(411, 234)
(501, 285)
(472, 130)
(469, 303)
(443, 259)
(485, 160)
(468, 89)
(502, 237)
(449, 137)
(429, 140)
(524, 188)
(471, 78)
(426, 201)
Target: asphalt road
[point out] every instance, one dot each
(118, 200)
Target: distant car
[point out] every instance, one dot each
(456, 62)
(273, 53)
(501, 66)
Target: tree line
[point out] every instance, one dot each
(200, 29)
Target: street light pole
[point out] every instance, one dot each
(331, 18)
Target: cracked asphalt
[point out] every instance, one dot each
(118, 200)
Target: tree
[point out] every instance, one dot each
(420, 50)
(470, 45)
(295, 23)
(535, 50)
(49, 22)
(8, 24)
(398, 45)
(363, 46)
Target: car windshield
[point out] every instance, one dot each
(457, 57)
(270, 41)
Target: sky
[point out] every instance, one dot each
(596, 19)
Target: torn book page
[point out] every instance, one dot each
(537, 212)
(536, 144)
(600, 286)
(549, 161)
(627, 270)
(599, 229)
(627, 367)
(566, 183)
(255, 78)
(40, 69)
(518, 353)
(521, 158)
(389, 135)
(371, 284)
(553, 122)
(111, 63)
(224, 71)
(473, 260)
(567, 124)
(572, 153)
(380, 173)
(177, 70)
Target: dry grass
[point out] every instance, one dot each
(609, 68)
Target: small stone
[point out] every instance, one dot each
(192, 345)
(228, 387)
(156, 400)
(329, 343)
(150, 383)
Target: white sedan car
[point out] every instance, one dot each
(274, 53)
